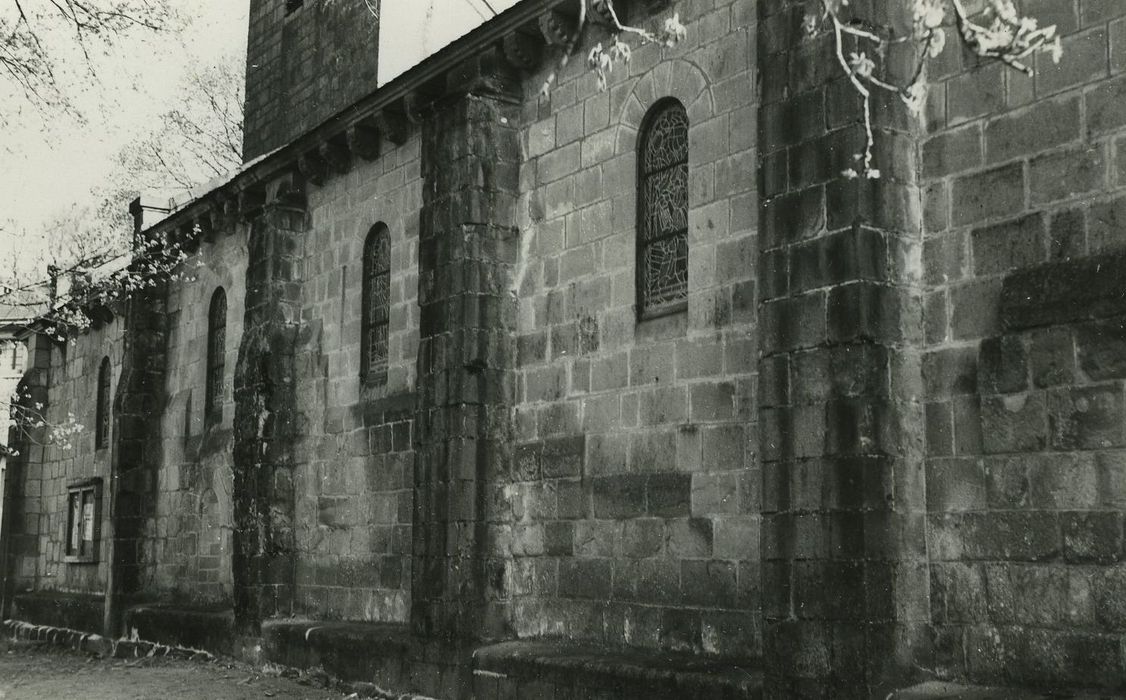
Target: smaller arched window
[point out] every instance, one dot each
(662, 216)
(216, 350)
(103, 407)
(376, 305)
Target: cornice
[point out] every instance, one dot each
(512, 44)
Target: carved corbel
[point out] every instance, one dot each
(250, 201)
(337, 154)
(556, 27)
(363, 139)
(313, 167)
(523, 50)
(394, 125)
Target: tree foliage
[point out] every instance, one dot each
(39, 40)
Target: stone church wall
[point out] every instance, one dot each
(194, 484)
(52, 465)
(355, 477)
(634, 503)
(1025, 418)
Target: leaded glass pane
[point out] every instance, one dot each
(663, 215)
(216, 349)
(666, 201)
(665, 266)
(377, 304)
(666, 140)
(380, 300)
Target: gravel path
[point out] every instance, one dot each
(34, 671)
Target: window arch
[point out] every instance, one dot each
(376, 305)
(216, 352)
(103, 407)
(662, 217)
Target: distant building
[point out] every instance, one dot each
(623, 392)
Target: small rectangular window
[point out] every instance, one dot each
(83, 522)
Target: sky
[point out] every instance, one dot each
(52, 162)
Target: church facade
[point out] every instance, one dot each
(475, 390)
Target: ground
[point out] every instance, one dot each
(39, 672)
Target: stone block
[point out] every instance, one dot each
(1101, 346)
(1065, 174)
(653, 451)
(663, 405)
(955, 485)
(1092, 538)
(950, 372)
(1108, 590)
(714, 494)
(712, 583)
(1028, 595)
(939, 429)
(975, 309)
(585, 578)
(1010, 536)
(563, 457)
(1067, 235)
(1087, 417)
(975, 93)
(1015, 423)
(953, 151)
(655, 581)
(1012, 244)
(1003, 365)
(559, 538)
(988, 194)
(619, 496)
(736, 538)
(607, 453)
(1038, 128)
(668, 495)
(958, 593)
(689, 538)
(1063, 292)
(1104, 102)
(711, 401)
(1052, 356)
(643, 537)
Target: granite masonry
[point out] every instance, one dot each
(475, 391)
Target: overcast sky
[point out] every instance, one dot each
(52, 162)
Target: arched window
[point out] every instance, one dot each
(662, 217)
(102, 408)
(376, 305)
(216, 349)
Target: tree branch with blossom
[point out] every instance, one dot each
(1000, 33)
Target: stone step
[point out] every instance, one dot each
(938, 690)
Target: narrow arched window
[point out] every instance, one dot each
(662, 220)
(216, 349)
(102, 408)
(376, 305)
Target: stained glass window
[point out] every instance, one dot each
(216, 349)
(102, 407)
(376, 305)
(662, 232)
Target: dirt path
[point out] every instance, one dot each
(37, 672)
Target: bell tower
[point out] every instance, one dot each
(306, 60)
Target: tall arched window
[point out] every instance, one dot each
(662, 217)
(216, 349)
(102, 408)
(376, 305)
